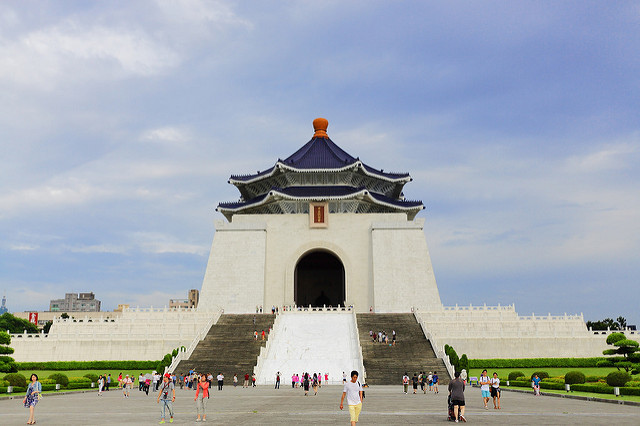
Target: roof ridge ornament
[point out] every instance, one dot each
(320, 127)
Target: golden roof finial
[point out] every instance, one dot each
(320, 126)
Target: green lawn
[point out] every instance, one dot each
(503, 373)
(43, 374)
(589, 394)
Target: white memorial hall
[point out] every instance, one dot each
(335, 245)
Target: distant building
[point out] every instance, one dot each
(121, 307)
(3, 308)
(191, 302)
(74, 302)
(194, 297)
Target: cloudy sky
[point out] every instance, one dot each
(120, 123)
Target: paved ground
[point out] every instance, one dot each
(384, 405)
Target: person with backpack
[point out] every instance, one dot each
(167, 402)
(405, 382)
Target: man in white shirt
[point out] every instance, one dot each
(220, 380)
(485, 383)
(353, 392)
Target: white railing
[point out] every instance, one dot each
(292, 309)
(264, 350)
(163, 309)
(186, 354)
(484, 307)
(357, 331)
(608, 331)
(439, 350)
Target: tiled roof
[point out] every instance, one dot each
(322, 192)
(320, 154)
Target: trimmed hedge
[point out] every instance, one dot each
(60, 379)
(543, 385)
(87, 365)
(515, 374)
(591, 379)
(618, 378)
(574, 378)
(92, 377)
(535, 362)
(16, 379)
(79, 385)
(541, 374)
(593, 387)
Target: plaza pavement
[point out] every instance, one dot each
(383, 405)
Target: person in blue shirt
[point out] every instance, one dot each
(31, 398)
(535, 381)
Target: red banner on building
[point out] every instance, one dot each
(33, 318)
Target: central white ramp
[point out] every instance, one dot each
(313, 342)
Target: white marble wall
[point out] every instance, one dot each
(145, 334)
(235, 275)
(402, 272)
(499, 332)
(253, 261)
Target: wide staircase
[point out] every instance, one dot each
(229, 347)
(385, 365)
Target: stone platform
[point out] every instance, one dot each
(384, 405)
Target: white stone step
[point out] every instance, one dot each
(313, 342)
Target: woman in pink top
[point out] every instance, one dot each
(202, 397)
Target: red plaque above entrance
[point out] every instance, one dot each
(318, 215)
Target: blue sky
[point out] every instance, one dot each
(120, 123)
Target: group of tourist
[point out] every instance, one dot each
(381, 337)
(426, 382)
(489, 388)
(299, 380)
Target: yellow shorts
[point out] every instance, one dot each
(354, 411)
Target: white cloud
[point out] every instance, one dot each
(74, 50)
(611, 158)
(165, 134)
(23, 247)
(158, 243)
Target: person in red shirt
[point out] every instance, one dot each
(246, 381)
(202, 395)
(262, 334)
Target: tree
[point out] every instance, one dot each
(64, 315)
(608, 324)
(622, 322)
(7, 364)
(625, 357)
(15, 324)
(47, 327)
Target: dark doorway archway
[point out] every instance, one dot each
(319, 280)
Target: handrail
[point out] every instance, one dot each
(439, 350)
(357, 331)
(186, 354)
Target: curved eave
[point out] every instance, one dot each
(278, 195)
(369, 171)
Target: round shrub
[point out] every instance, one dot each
(574, 378)
(92, 377)
(618, 378)
(61, 379)
(541, 374)
(515, 374)
(16, 379)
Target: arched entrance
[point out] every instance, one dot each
(319, 280)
